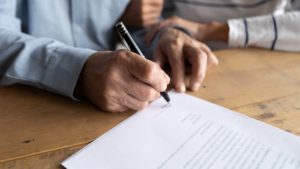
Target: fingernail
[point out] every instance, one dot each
(164, 87)
(182, 87)
(195, 86)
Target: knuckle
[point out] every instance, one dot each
(150, 70)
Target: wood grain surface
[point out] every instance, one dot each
(39, 129)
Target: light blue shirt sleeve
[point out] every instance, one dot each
(42, 62)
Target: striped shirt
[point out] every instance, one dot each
(271, 24)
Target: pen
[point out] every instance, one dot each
(132, 46)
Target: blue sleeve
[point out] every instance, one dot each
(41, 62)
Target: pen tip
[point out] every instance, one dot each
(165, 96)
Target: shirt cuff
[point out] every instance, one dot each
(237, 33)
(64, 68)
(253, 31)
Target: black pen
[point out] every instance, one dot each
(132, 46)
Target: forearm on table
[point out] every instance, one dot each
(41, 62)
(275, 32)
(214, 31)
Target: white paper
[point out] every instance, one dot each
(190, 133)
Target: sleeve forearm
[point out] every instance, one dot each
(275, 32)
(41, 62)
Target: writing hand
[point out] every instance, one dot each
(121, 80)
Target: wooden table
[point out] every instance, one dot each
(39, 129)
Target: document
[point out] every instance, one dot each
(189, 133)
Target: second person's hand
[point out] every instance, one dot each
(174, 47)
(204, 32)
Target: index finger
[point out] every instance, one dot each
(198, 59)
(148, 72)
(176, 60)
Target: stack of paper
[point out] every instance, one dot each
(189, 133)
